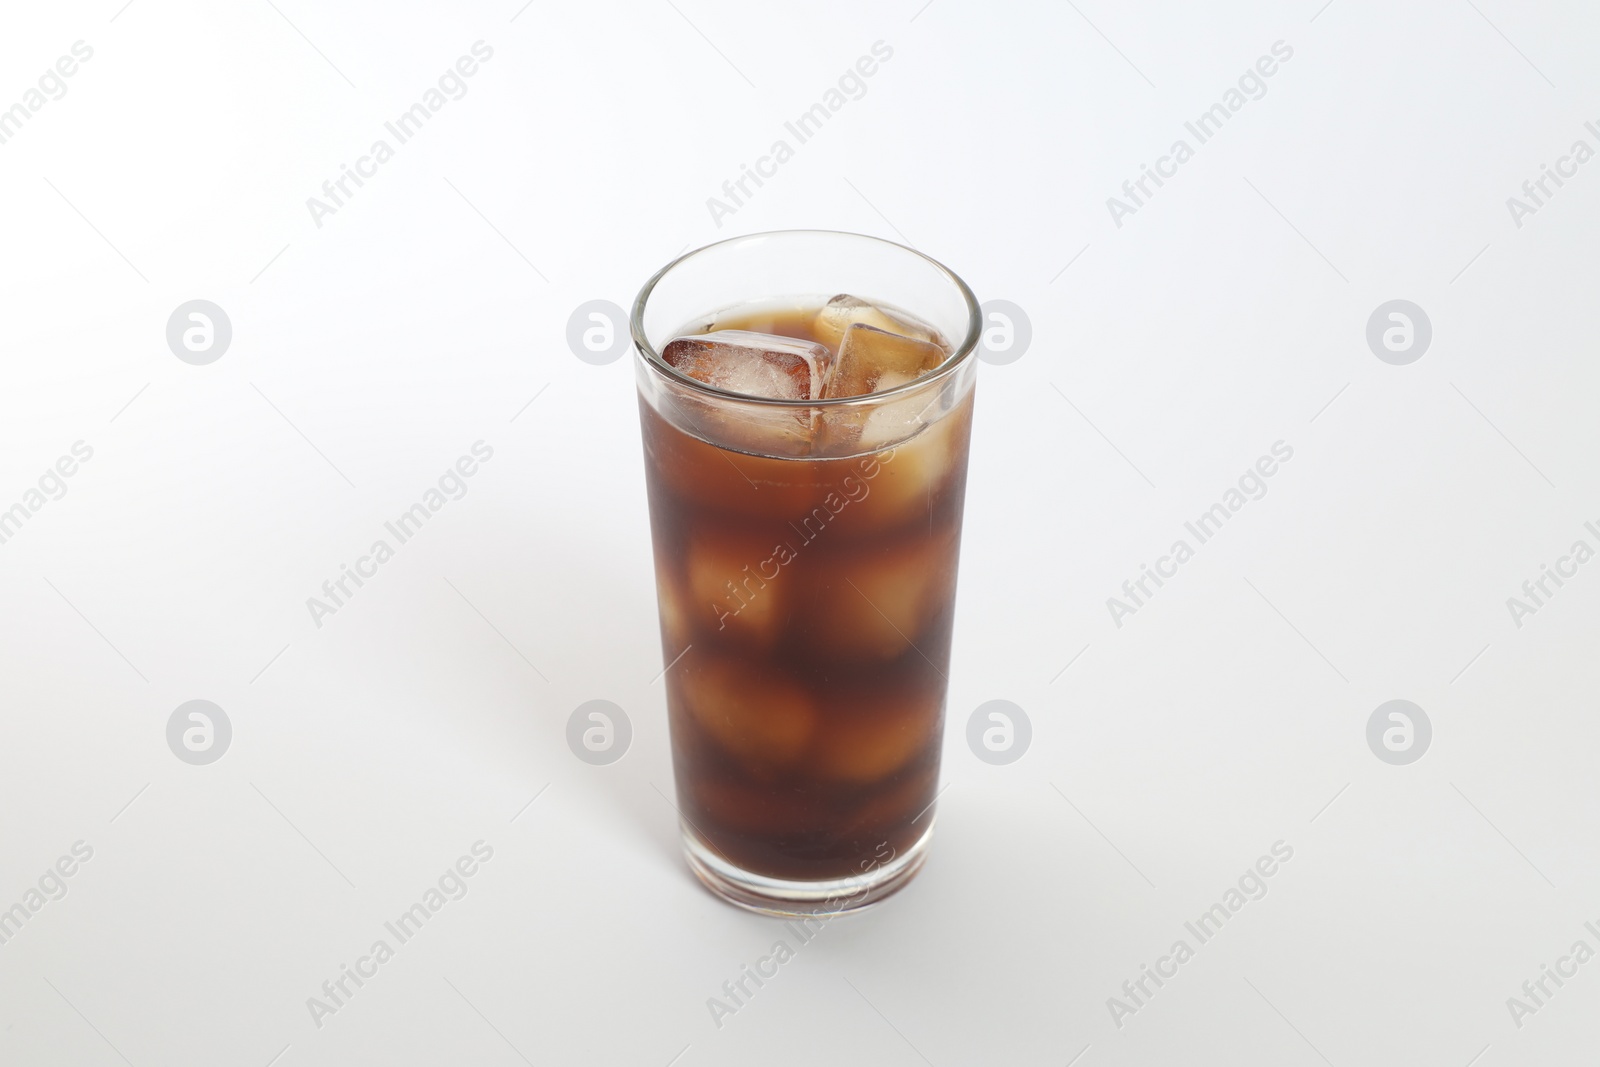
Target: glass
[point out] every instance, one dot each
(805, 556)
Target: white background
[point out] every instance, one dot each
(369, 353)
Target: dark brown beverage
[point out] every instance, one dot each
(807, 593)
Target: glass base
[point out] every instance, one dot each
(782, 897)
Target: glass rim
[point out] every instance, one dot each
(963, 352)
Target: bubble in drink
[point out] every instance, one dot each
(755, 364)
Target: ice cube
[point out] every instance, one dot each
(736, 585)
(872, 360)
(755, 364)
(894, 421)
(913, 475)
(758, 714)
(844, 310)
(669, 598)
(872, 737)
(876, 605)
(892, 379)
(874, 427)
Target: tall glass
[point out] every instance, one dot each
(805, 556)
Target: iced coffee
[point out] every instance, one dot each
(806, 459)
